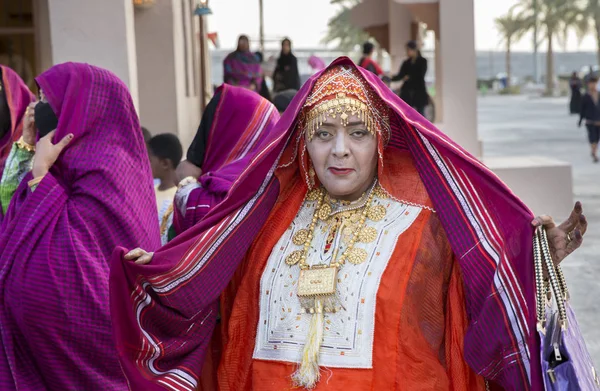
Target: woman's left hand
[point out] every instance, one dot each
(566, 237)
(46, 153)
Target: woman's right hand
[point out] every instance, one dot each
(29, 124)
(186, 169)
(139, 256)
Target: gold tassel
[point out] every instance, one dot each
(308, 374)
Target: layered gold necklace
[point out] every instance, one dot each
(317, 284)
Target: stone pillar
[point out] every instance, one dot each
(100, 33)
(168, 68)
(458, 73)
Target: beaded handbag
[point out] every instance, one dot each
(566, 362)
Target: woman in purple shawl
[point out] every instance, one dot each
(242, 68)
(87, 193)
(354, 200)
(15, 98)
(234, 123)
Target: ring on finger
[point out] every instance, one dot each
(569, 238)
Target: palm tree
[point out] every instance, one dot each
(512, 30)
(554, 18)
(341, 30)
(590, 20)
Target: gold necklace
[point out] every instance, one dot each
(320, 280)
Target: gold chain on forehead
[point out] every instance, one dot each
(342, 91)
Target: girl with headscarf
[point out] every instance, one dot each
(234, 124)
(90, 189)
(15, 99)
(286, 75)
(412, 73)
(242, 68)
(361, 244)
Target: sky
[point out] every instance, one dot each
(305, 22)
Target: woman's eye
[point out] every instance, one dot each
(359, 133)
(322, 134)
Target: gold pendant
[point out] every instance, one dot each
(293, 258)
(380, 193)
(300, 237)
(324, 212)
(317, 282)
(367, 235)
(356, 256)
(376, 213)
(313, 195)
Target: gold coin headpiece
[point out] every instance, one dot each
(342, 91)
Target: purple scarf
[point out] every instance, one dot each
(18, 98)
(241, 121)
(55, 242)
(242, 69)
(164, 312)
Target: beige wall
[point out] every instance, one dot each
(168, 70)
(97, 32)
(458, 72)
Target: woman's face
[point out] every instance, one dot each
(243, 45)
(286, 47)
(412, 53)
(344, 157)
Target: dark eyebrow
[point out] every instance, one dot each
(327, 125)
(355, 123)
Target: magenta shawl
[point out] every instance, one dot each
(242, 69)
(242, 120)
(164, 312)
(18, 97)
(55, 242)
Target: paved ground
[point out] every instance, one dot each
(541, 126)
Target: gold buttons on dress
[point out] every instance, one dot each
(300, 237)
(294, 257)
(376, 213)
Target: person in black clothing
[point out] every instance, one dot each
(412, 73)
(263, 89)
(367, 62)
(590, 111)
(575, 84)
(282, 100)
(286, 75)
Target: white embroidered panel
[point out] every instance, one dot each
(348, 334)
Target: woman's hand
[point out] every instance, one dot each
(565, 238)
(186, 169)
(29, 124)
(46, 153)
(139, 256)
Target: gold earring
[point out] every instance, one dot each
(311, 176)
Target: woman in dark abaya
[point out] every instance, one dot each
(575, 85)
(412, 73)
(286, 75)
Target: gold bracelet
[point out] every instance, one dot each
(21, 144)
(35, 181)
(186, 181)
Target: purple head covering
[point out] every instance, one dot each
(18, 98)
(242, 68)
(55, 241)
(164, 313)
(241, 121)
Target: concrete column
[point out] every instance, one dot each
(156, 67)
(458, 73)
(400, 22)
(168, 68)
(100, 33)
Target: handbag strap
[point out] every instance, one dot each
(558, 288)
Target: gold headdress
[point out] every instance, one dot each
(342, 91)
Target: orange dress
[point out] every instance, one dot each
(419, 321)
